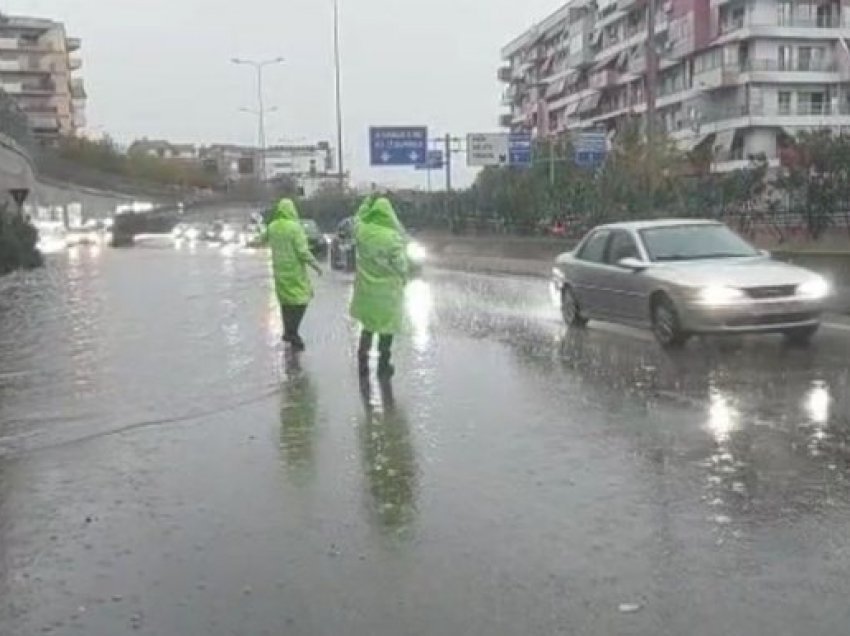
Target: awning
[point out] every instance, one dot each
(596, 37)
(689, 143)
(609, 19)
(589, 103)
(571, 77)
(556, 88)
(723, 141)
(572, 108)
(604, 62)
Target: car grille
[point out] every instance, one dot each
(775, 291)
(772, 319)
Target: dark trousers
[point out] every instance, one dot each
(292, 317)
(385, 345)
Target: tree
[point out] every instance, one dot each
(816, 181)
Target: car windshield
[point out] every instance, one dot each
(694, 242)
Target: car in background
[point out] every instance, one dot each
(315, 239)
(685, 277)
(343, 253)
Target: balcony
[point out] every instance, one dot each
(737, 23)
(506, 120)
(811, 109)
(504, 74)
(75, 63)
(37, 88)
(73, 44)
(44, 123)
(604, 78)
(798, 66)
(78, 89)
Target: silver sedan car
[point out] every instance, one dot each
(684, 277)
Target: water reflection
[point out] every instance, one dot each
(389, 459)
(419, 302)
(299, 405)
(771, 441)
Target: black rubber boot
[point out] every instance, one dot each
(385, 368)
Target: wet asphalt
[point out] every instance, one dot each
(167, 468)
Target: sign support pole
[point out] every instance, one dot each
(448, 163)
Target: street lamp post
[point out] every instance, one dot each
(259, 66)
(338, 71)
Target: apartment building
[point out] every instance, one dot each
(38, 69)
(737, 77)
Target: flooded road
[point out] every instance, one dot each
(167, 469)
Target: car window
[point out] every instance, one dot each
(594, 248)
(695, 242)
(622, 246)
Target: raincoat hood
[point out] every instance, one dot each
(364, 207)
(285, 210)
(382, 214)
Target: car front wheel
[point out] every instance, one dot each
(665, 324)
(570, 309)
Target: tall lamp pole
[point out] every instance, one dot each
(259, 66)
(338, 71)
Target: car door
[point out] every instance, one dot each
(588, 277)
(627, 287)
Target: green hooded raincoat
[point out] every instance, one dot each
(290, 255)
(378, 302)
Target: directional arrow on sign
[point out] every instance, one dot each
(385, 157)
(414, 156)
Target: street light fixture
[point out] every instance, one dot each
(261, 111)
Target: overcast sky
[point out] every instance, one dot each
(160, 68)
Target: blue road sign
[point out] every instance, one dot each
(591, 149)
(519, 149)
(435, 161)
(398, 145)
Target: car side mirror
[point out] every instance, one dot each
(634, 264)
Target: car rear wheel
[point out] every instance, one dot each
(570, 309)
(666, 325)
(801, 336)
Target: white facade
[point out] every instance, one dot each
(738, 76)
(38, 69)
(311, 160)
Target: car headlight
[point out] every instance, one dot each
(192, 234)
(228, 235)
(720, 295)
(814, 288)
(416, 252)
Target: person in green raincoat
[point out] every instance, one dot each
(290, 258)
(378, 302)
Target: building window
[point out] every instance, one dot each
(784, 58)
(785, 9)
(804, 58)
(784, 102)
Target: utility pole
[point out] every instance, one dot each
(340, 166)
(551, 160)
(651, 72)
(448, 161)
(651, 94)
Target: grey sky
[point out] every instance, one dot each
(160, 68)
